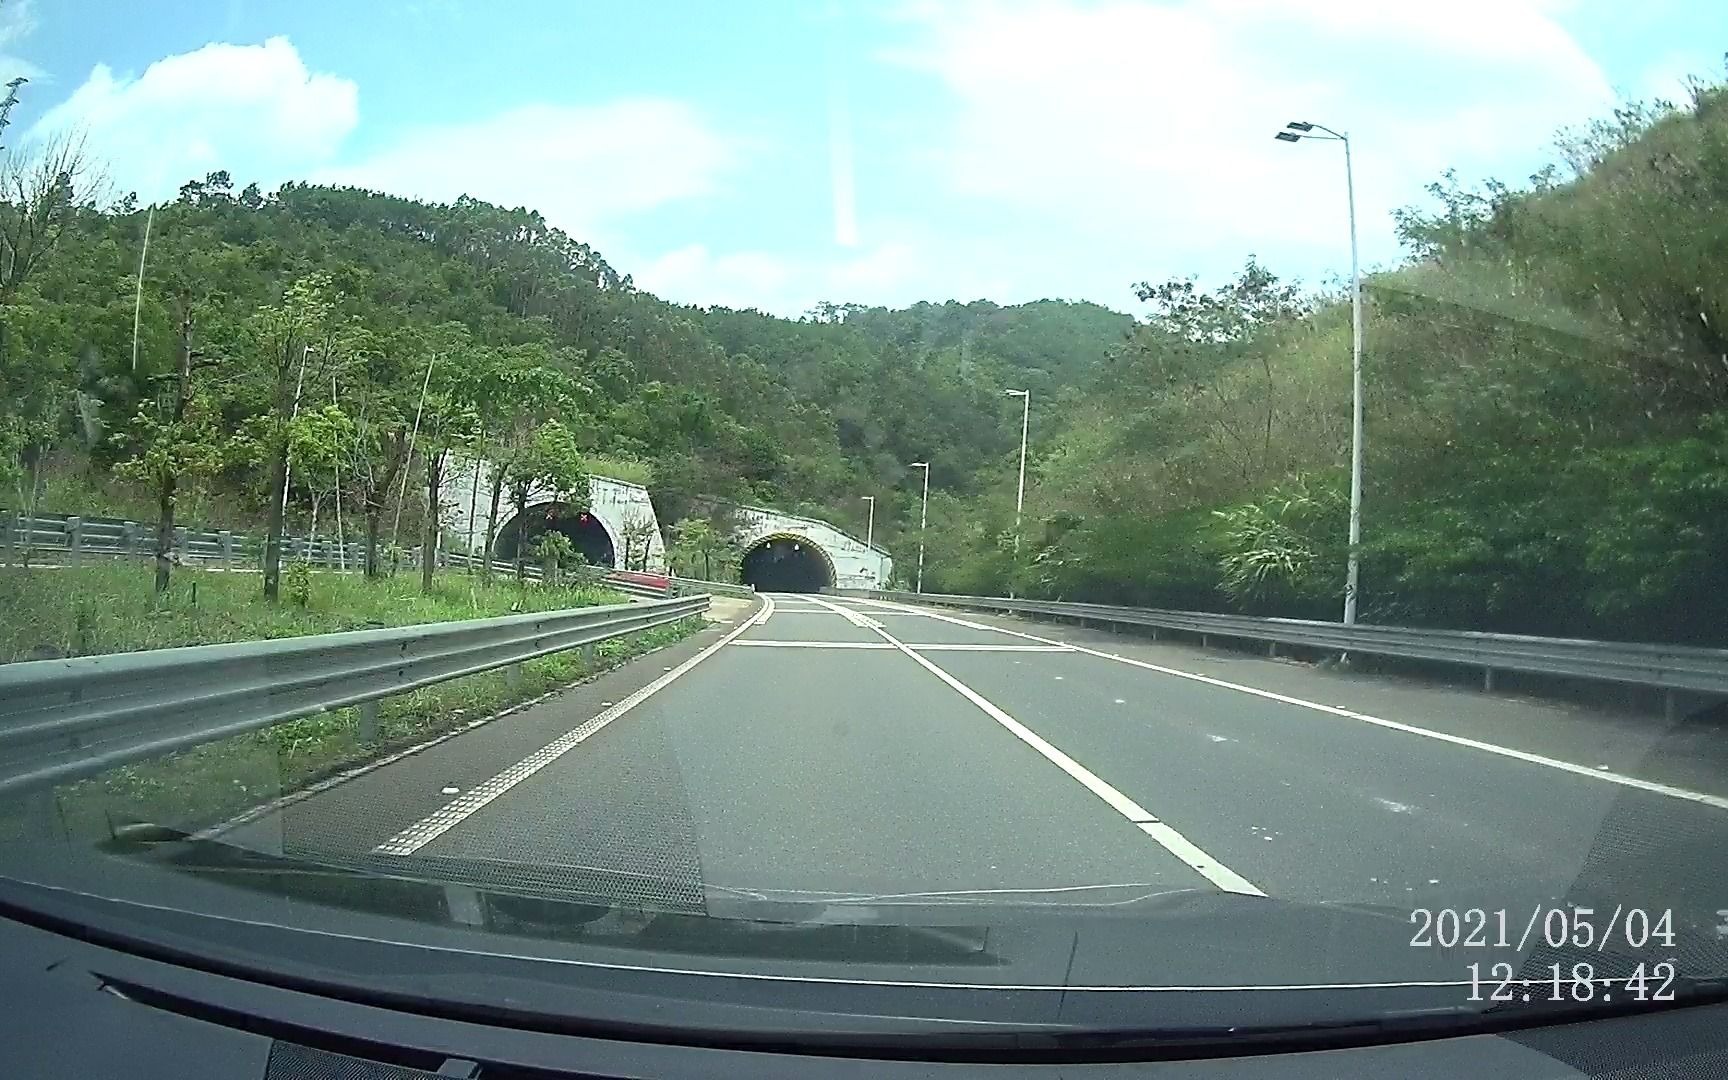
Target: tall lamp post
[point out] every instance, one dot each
(923, 520)
(1025, 397)
(1296, 131)
(870, 529)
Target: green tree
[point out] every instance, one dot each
(549, 466)
(174, 444)
(292, 342)
(701, 550)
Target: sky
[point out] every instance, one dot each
(774, 154)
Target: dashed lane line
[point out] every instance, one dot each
(1164, 834)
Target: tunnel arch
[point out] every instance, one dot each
(786, 562)
(590, 535)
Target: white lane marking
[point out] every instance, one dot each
(762, 616)
(459, 809)
(946, 647)
(856, 618)
(1166, 836)
(1597, 773)
(759, 643)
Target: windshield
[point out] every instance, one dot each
(1166, 497)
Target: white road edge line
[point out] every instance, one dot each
(1166, 836)
(1685, 794)
(459, 809)
(760, 643)
(762, 616)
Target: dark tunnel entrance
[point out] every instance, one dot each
(584, 530)
(783, 563)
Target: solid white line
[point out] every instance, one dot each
(1171, 840)
(1622, 779)
(759, 643)
(459, 809)
(945, 647)
(856, 618)
(767, 610)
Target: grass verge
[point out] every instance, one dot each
(109, 608)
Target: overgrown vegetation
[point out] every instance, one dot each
(112, 607)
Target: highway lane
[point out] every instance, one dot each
(835, 745)
(799, 762)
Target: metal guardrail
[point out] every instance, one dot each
(530, 567)
(74, 537)
(65, 719)
(635, 588)
(634, 584)
(1666, 667)
(682, 586)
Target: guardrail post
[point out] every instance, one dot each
(513, 676)
(1272, 650)
(368, 721)
(180, 543)
(12, 536)
(75, 540)
(1670, 706)
(1488, 680)
(128, 537)
(1205, 641)
(226, 539)
(589, 657)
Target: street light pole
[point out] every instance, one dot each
(870, 530)
(1296, 131)
(923, 522)
(1025, 397)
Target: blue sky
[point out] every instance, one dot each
(770, 153)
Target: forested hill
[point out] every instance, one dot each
(1547, 395)
(807, 414)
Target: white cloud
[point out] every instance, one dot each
(17, 21)
(895, 272)
(1147, 128)
(253, 109)
(580, 165)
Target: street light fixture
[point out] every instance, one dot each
(870, 530)
(1296, 131)
(923, 521)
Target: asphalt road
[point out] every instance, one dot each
(843, 746)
